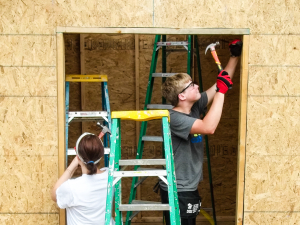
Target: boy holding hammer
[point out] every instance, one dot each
(187, 129)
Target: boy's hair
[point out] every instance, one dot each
(91, 149)
(173, 86)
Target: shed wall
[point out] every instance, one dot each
(28, 99)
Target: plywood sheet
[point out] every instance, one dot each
(274, 218)
(26, 50)
(28, 17)
(28, 126)
(273, 126)
(28, 81)
(25, 219)
(199, 14)
(26, 182)
(274, 50)
(279, 17)
(273, 81)
(96, 14)
(272, 183)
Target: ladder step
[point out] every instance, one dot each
(71, 151)
(152, 138)
(175, 50)
(163, 74)
(138, 205)
(140, 173)
(159, 106)
(173, 43)
(128, 162)
(87, 115)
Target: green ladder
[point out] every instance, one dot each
(115, 173)
(161, 43)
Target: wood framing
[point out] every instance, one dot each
(61, 112)
(242, 133)
(136, 31)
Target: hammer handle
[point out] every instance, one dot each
(217, 61)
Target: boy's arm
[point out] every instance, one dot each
(210, 122)
(235, 51)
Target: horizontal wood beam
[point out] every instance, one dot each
(132, 30)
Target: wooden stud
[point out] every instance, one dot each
(242, 133)
(61, 112)
(82, 71)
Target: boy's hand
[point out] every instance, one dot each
(223, 82)
(235, 47)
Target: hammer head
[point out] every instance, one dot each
(211, 47)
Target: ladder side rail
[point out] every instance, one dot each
(110, 188)
(206, 137)
(118, 186)
(152, 70)
(67, 99)
(171, 177)
(144, 124)
(106, 107)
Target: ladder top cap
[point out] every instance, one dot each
(86, 78)
(141, 115)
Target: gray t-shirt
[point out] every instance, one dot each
(187, 148)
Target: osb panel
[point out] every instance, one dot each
(28, 126)
(274, 218)
(278, 16)
(25, 219)
(190, 13)
(273, 81)
(269, 180)
(26, 182)
(274, 50)
(28, 17)
(273, 126)
(28, 81)
(26, 50)
(104, 13)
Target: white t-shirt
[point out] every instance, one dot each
(84, 199)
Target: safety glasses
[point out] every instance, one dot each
(189, 85)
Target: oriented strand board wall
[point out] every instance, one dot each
(28, 106)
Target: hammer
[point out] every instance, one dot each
(214, 54)
(105, 130)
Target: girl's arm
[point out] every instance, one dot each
(66, 175)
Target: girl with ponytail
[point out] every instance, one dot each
(84, 198)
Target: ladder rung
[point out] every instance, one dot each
(87, 115)
(159, 106)
(128, 162)
(71, 151)
(163, 74)
(138, 205)
(152, 138)
(175, 50)
(173, 43)
(140, 173)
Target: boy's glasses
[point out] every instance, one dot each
(190, 84)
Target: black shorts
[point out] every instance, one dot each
(189, 203)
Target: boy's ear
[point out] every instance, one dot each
(181, 97)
